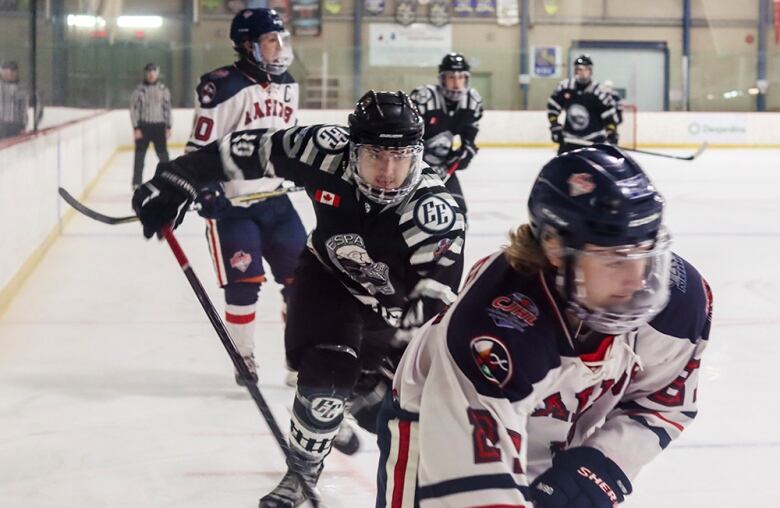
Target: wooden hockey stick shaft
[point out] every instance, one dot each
(235, 356)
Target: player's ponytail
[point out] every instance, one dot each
(524, 253)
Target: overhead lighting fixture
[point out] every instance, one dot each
(139, 21)
(85, 21)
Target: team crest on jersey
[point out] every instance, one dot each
(243, 145)
(208, 92)
(438, 147)
(492, 359)
(326, 409)
(442, 247)
(580, 184)
(578, 117)
(331, 138)
(241, 261)
(433, 215)
(516, 311)
(348, 253)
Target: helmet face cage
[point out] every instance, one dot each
(381, 195)
(282, 61)
(453, 95)
(583, 61)
(644, 304)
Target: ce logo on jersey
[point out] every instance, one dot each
(434, 215)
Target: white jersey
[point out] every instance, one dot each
(230, 99)
(499, 387)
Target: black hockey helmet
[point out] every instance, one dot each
(454, 62)
(600, 196)
(386, 119)
(583, 59)
(10, 65)
(389, 122)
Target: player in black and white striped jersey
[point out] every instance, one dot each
(386, 254)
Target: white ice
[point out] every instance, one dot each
(116, 392)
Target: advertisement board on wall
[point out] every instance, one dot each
(416, 45)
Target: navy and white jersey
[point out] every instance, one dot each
(499, 387)
(446, 119)
(239, 97)
(589, 110)
(401, 260)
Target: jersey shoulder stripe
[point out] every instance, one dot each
(220, 85)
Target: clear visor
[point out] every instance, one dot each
(386, 174)
(583, 73)
(273, 52)
(619, 289)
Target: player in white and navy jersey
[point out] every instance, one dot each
(568, 362)
(382, 257)
(256, 92)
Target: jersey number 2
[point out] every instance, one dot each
(485, 438)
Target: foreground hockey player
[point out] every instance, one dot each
(591, 114)
(256, 92)
(380, 259)
(450, 108)
(569, 360)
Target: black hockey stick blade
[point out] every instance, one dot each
(235, 357)
(699, 151)
(92, 214)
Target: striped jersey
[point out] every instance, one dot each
(239, 97)
(13, 104)
(499, 387)
(589, 110)
(150, 103)
(446, 119)
(401, 259)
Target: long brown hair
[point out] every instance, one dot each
(524, 252)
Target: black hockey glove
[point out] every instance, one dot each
(581, 477)
(462, 156)
(163, 200)
(212, 202)
(556, 133)
(612, 135)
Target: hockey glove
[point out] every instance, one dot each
(612, 135)
(212, 202)
(580, 477)
(462, 156)
(163, 200)
(556, 133)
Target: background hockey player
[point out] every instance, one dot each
(256, 92)
(380, 259)
(569, 360)
(590, 111)
(450, 108)
(150, 114)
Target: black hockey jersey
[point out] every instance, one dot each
(444, 120)
(499, 386)
(402, 260)
(589, 110)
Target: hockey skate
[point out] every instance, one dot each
(249, 361)
(347, 440)
(290, 492)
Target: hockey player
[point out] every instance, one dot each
(620, 105)
(450, 108)
(255, 92)
(379, 260)
(569, 360)
(591, 116)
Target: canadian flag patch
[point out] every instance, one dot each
(327, 198)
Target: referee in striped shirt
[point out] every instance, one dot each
(150, 112)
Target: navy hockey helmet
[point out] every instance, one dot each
(453, 63)
(386, 121)
(249, 25)
(599, 196)
(583, 60)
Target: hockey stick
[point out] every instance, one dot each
(107, 219)
(699, 151)
(235, 357)
(451, 171)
